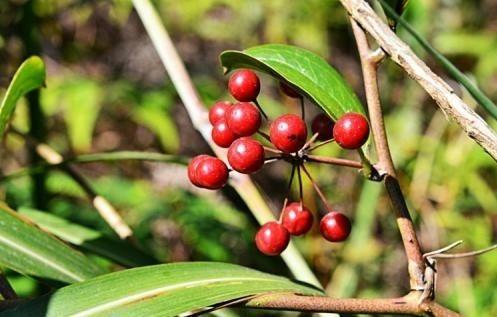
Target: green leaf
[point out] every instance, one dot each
(88, 239)
(303, 70)
(29, 76)
(159, 290)
(28, 250)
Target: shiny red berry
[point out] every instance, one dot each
(222, 135)
(335, 226)
(288, 133)
(351, 131)
(289, 91)
(244, 85)
(192, 168)
(246, 155)
(323, 125)
(272, 238)
(297, 219)
(218, 111)
(244, 119)
(211, 173)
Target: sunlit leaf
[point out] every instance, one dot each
(305, 71)
(29, 76)
(28, 250)
(160, 290)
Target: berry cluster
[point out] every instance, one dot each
(233, 127)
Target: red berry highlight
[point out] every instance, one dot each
(351, 131)
(335, 227)
(244, 119)
(289, 91)
(218, 111)
(323, 125)
(211, 173)
(244, 85)
(272, 238)
(246, 155)
(192, 168)
(288, 133)
(222, 135)
(296, 219)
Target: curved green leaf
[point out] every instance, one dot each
(159, 290)
(29, 76)
(88, 239)
(303, 70)
(28, 250)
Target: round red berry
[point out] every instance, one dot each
(244, 119)
(289, 91)
(351, 131)
(218, 111)
(244, 85)
(288, 133)
(297, 219)
(246, 155)
(323, 125)
(211, 173)
(192, 168)
(272, 238)
(335, 226)
(222, 135)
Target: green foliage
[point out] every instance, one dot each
(28, 250)
(88, 239)
(162, 290)
(29, 76)
(309, 73)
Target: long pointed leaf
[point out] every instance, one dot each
(28, 250)
(29, 76)
(88, 239)
(160, 290)
(307, 72)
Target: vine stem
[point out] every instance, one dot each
(333, 161)
(369, 63)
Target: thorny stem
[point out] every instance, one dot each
(369, 63)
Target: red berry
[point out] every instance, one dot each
(335, 226)
(297, 219)
(192, 168)
(211, 173)
(323, 125)
(222, 135)
(288, 133)
(246, 155)
(218, 111)
(244, 85)
(244, 119)
(272, 238)
(351, 131)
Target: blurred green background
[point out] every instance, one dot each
(107, 90)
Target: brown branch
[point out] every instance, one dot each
(406, 305)
(453, 107)
(369, 63)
